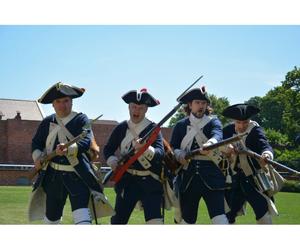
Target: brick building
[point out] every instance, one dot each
(16, 132)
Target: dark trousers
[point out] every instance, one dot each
(127, 199)
(58, 185)
(190, 198)
(244, 190)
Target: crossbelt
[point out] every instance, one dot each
(201, 158)
(60, 167)
(143, 173)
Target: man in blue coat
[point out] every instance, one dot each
(69, 174)
(141, 182)
(200, 177)
(246, 185)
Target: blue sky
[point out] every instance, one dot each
(238, 62)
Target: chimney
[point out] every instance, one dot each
(18, 116)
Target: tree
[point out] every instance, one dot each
(218, 105)
(280, 108)
(272, 109)
(277, 139)
(257, 102)
(180, 114)
(292, 80)
(291, 115)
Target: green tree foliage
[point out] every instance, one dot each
(272, 109)
(289, 157)
(291, 115)
(218, 105)
(280, 108)
(284, 149)
(180, 114)
(276, 138)
(256, 101)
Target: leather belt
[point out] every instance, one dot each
(60, 167)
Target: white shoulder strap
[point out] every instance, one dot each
(244, 163)
(64, 130)
(53, 131)
(131, 134)
(193, 131)
(59, 130)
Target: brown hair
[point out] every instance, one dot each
(187, 110)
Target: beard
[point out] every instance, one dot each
(199, 113)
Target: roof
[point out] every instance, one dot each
(29, 110)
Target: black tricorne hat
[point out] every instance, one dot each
(240, 112)
(60, 90)
(141, 97)
(194, 94)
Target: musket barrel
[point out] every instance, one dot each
(271, 162)
(47, 158)
(131, 153)
(216, 145)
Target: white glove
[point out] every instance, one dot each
(267, 155)
(205, 152)
(112, 162)
(180, 156)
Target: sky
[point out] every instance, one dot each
(238, 62)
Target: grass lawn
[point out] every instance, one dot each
(14, 203)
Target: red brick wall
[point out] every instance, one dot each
(16, 136)
(20, 134)
(3, 141)
(12, 177)
(101, 133)
(15, 144)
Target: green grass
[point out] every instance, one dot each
(14, 203)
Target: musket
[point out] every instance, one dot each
(45, 159)
(197, 151)
(128, 159)
(271, 162)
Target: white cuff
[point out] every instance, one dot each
(112, 161)
(149, 153)
(73, 150)
(269, 153)
(212, 141)
(36, 154)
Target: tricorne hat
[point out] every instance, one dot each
(195, 94)
(60, 90)
(140, 97)
(240, 112)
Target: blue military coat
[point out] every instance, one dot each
(255, 141)
(210, 174)
(83, 169)
(147, 183)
